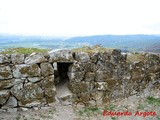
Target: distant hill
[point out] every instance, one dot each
(124, 42)
(155, 48)
(149, 43)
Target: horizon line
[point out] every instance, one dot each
(70, 36)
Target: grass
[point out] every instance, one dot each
(23, 50)
(140, 107)
(158, 118)
(96, 48)
(149, 101)
(18, 118)
(89, 110)
(113, 118)
(135, 57)
(153, 101)
(110, 107)
(95, 110)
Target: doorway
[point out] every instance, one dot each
(62, 81)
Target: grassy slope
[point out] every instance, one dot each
(23, 50)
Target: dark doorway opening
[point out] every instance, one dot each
(63, 95)
(60, 73)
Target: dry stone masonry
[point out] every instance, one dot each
(28, 81)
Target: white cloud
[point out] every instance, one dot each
(78, 17)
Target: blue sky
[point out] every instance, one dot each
(79, 17)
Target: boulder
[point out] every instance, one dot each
(82, 56)
(102, 76)
(5, 84)
(32, 103)
(23, 70)
(116, 52)
(137, 65)
(84, 97)
(117, 57)
(89, 67)
(137, 75)
(29, 95)
(5, 72)
(12, 102)
(18, 91)
(33, 91)
(89, 76)
(119, 73)
(78, 87)
(35, 58)
(35, 79)
(17, 58)
(61, 56)
(75, 67)
(49, 88)
(4, 95)
(48, 82)
(4, 59)
(76, 76)
(103, 66)
(47, 69)
(94, 57)
(153, 59)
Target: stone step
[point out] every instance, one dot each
(64, 95)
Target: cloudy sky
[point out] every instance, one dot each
(79, 17)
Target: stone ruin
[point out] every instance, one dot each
(36, 80)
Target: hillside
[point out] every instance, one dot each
(148, 43)
(124, 42)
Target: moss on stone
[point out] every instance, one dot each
(30, 70)
(5, 74)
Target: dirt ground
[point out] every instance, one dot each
(134, 104)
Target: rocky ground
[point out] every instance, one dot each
(57, 111)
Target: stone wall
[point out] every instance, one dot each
(28, 81)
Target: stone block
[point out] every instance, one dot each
(5, 72)
(4, 59)
(82, 57)
(24, 70)
(35, 58)
(61, 56)
(4, 95)
(17, 58)
(47, 69)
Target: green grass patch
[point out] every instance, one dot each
(153, 101)
(113, 118)
(24, 50)
(89, 111)
(109, 107)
